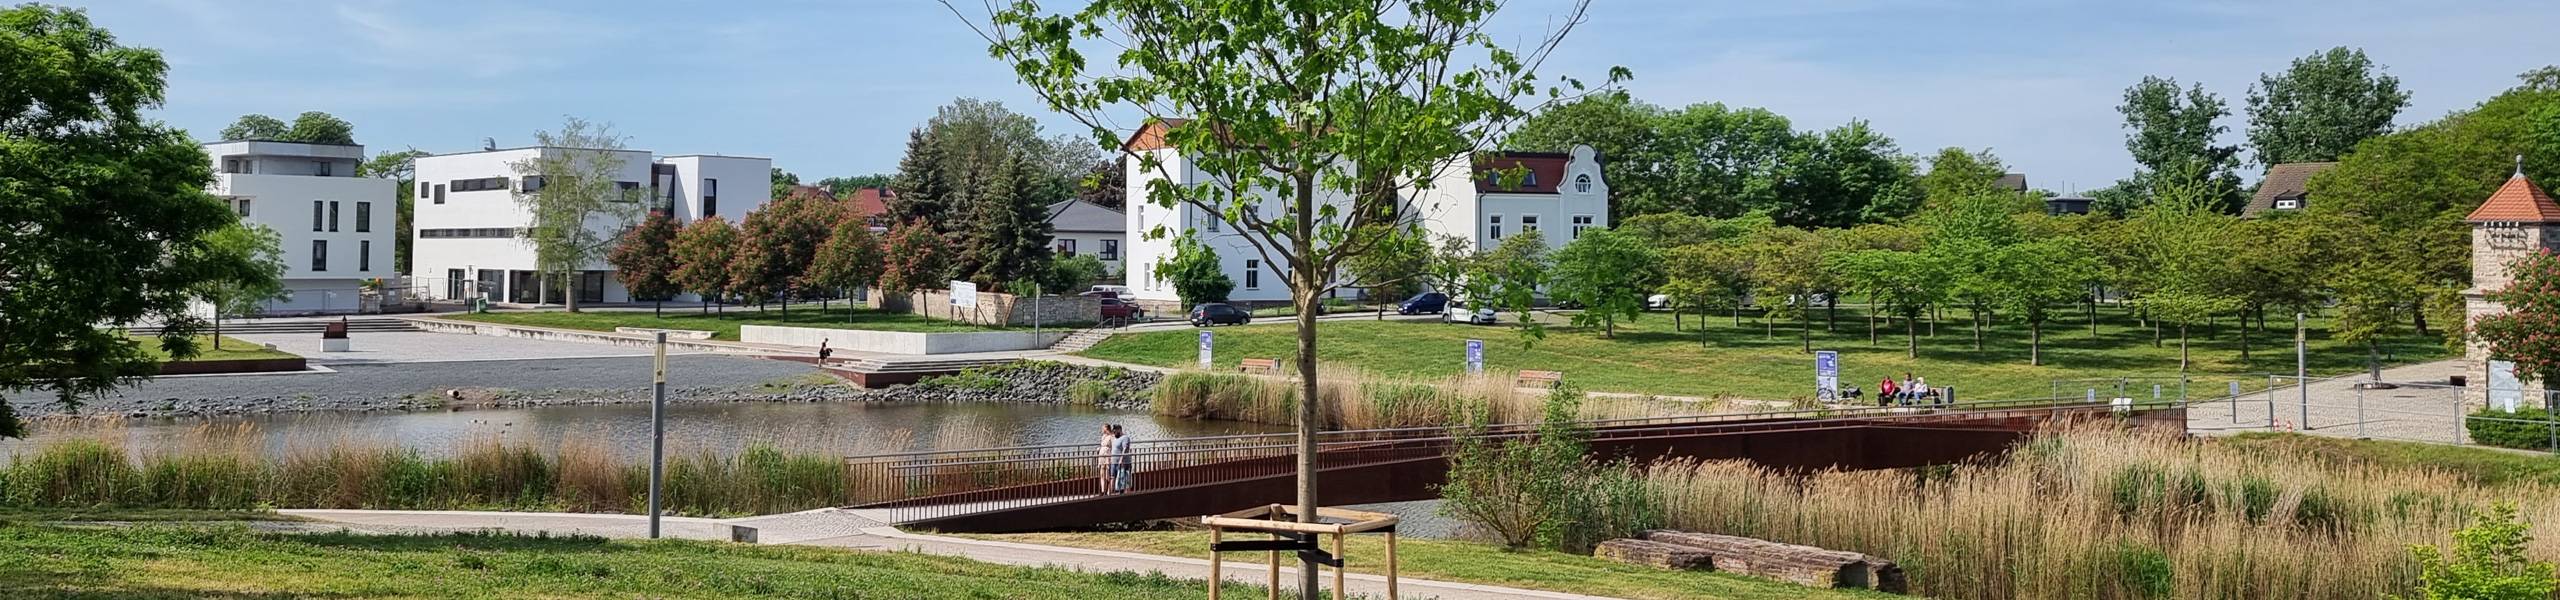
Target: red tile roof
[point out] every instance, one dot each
(871, 201)
(2519, 201)
(1497, 172)
(1151, 135)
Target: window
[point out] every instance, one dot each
(317, 206)
(1580, 222)
(710, 197)
(1582, 183)
(1528, 180)
(232, 165)
(530, 183)
(1528, 223)
(439, 193)
(1066, 247)
(364, 255)
(453, 284)
(333, 215)
(477, 185)
(1209, 221)
(2505, 236)
(2288, 204)
(485, 232)
(1252, 274)
(364, 217)
(240, 205)
(1111, 249)
(422, 190)
(1494, 222)
(323, 169)
(319, 255)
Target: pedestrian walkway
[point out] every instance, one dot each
(2419, 409)
(855, 530)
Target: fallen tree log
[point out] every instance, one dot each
(1655, 554)
(1799, 564)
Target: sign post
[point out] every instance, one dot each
(1205, 345)
(657, 432)
(1826, 376)
(1475, 357)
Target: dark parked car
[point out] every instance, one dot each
(1212, 313)
(1115, 308)
(1424, 303)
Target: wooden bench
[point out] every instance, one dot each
(1259, 366)
(1542, 379)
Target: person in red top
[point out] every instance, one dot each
(1887, 391)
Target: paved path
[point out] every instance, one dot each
(853, 529)
(420, 346)
(2420, 409)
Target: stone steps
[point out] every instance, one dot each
(1081, 340)
(354, 325)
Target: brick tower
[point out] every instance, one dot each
(2518, 219)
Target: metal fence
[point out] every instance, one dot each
(2355, 406)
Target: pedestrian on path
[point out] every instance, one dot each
(1122, 477)
(824, 352)
(1109, 466)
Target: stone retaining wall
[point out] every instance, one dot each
(565, 335)
(1003, 309)
(900, 342)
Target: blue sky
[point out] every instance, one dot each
(831, 87)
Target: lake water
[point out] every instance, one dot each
(836, 428)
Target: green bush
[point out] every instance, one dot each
(2142, 570)
(2526, 428)
(2489, 562)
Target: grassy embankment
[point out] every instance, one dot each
(2096, 512)
(165, 561)
(724, 325)
(232, 349)
(1355, 400)
(1747, 361)
(1469, 562)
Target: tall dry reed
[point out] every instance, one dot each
(2099, 512)
(1362, 400)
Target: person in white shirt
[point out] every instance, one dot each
(1106, 458)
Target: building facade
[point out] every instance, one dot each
(469, 240)
(1080, 228)
(336, 229)
(1257, 281)
(2519, 219)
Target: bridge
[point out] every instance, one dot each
(1027, 488)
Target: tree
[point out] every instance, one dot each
(242, 294)
(401, 168)
(1786, 273)
(851, 258)
(777, 242)
(2491, 560)
(2529, 332)
(1508, 278)
(2283, 262)
(2174, 130)
(1722, 161)
(255, 127)
(1008, 233)
(1195, 272)
(1066, 274)
(1906, 282)
(1705, 276)
(1609, 273)
(2035, 278)
(1955, 173)
(1395, 271)
(922, 193)
(1624, 130)
(2183, 242)
(1969, 233)
(1842, 177)
(784, 182)
(845, 186)
(915, 260)
(104, 221)
(580, 186)
(320, 128)
(703, 251)
(645, 260)
(2320, 107)
(1106, 184)
(1364, 102)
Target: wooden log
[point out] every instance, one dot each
(1655, 554)
(1793, 563)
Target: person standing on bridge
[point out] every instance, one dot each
(1122, 477)
(1105, 458)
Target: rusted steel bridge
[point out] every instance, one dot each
(1027, 488)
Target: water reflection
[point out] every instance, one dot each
(837, 428)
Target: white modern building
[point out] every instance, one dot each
(1080, 228)
(336, 229)
(1560, 195)
(470, 241)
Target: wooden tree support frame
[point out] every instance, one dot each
(1306, 539)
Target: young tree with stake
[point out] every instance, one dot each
(579, 177)
(1293, 104)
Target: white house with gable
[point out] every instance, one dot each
(469, 239)
(1499, 194)
(336, 229)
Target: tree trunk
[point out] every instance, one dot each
(1309, 279)
(1977, 328)
(2373, 357)
(2418, 316)
(217, 329)
(1804, 324)
(1608, 326)
(1737, 313)
(2244, 339)
(2182, 347)
(1871, 326)
(2155, 333)
(2035, 342)
(660, 308)
(2093, 317)
(1768, 327)
(1911, 335)
(1831, 311)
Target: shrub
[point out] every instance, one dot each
(1540, 489)
(2489, 562)
(1088, 392)
(2527, 428)
(2142, 570)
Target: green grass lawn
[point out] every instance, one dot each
(1467, 562)
(1649, 356)
(230, 561)
(2487, 466)
(232, 349)
(724, 325)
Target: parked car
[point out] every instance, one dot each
(1481, 315)
(1116, 290)
(1100, 294)
(1657, 302)
(1115, 308)
(1213, 313)
(1424, 303)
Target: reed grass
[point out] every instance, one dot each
(2107, 513)
(222, 466)
(1361, 400)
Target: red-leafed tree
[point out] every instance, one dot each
(915, 259)
(702, 253)
(776, 243)
(849, 259)
(645, 260)
(2529, 332)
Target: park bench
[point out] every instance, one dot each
(1541, 379)
(1259, 366)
